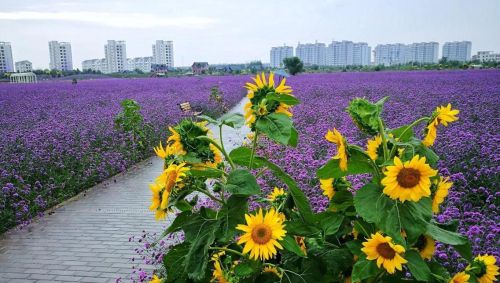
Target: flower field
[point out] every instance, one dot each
(468, 148)
(57, 139)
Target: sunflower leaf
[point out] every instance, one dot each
(233, 120)
(276, 126)
(364, 269)
(283, 98)
(329, 222)
(174, 262)
(242, 183)
(417, 266)
(357, 163)
(291, 245)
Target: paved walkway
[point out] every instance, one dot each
(87, 240)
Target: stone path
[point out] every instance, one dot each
(87, 239)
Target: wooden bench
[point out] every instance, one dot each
(187, 109)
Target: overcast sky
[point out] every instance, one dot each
(233, 31)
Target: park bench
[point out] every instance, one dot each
(188, 110)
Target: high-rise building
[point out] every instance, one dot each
(362, 54)
(24, 66)
(60, 56)
(457, 51)
(312, 53)
(348, 53)
(486, 56)
(163, 53)
(390, 54)
(97, 65)
(6, 61)
(115, 53)
(278, 54)
(140, 63)
(423, 52)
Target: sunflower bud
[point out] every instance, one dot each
(366, 114)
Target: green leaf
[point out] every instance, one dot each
(197, 258)
(241, 156)
(364, 269)
(335, 261)
(404, 133)
(206, 172)
(276, 126)
(242, 183)
(342, 200)
(291, 245)
(364, 228)
(366, 114)
(232, 214)
(300, 228)
(196, 224)
(246, 268)
(357, 163)
(233, 120)
(179, 221)
(283, 98)
(329, 222)
(183, 205)
(370, 202)
(174, 262)
(415, 217)
(209, 119)
(431, 157)
(355, 247)
(458, 241)
(439, 270)
(417, 266)
(294, 138)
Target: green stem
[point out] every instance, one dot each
(226, 250)
(208, 194)
(384, 139)
(416, 122)
(254, 146)
(261, 172)
(221, 149)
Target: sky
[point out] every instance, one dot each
(235, 31)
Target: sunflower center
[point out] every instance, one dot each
(408, 177)
(261, 234)
(171, 178)
(386, 251)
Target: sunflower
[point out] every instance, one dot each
(162, 152)
(386, 253)
(277, 193)
(262, 234)
(218, 274)
(443, 186)
(159, 200)
(441, 116)
(217, 157)
(258, 105)
(336, 138)
(175, 138)
(273, 270)
(484, 268)
(155, 279)
(172, 176)
(302, 244)
(372, 147)
(409, 180)
(460, 277)
(327, 186)
(425, 246)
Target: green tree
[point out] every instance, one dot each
(294, 65)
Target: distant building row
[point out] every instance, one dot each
(345, 53)
(116, 60)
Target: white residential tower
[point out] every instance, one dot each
(6, 61)
(163, 53)
(115, 53)
(457, 51)
(60, 56)
(278, 54)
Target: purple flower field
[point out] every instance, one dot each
(57, 139)
(468, 148)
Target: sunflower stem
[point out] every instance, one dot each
(384, 139)
(226, 250)
(208, 194)
(254, 146)
(219, 148)
(416, 122)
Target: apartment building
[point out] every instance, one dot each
(100, 65)
(24, 66)
(348, 53)
(163, 52)
(140, 63)
(457, 51)
(115, 53)
(6, 61)
(278, 54)
(60, 56)
(486, 56)
(312, 53)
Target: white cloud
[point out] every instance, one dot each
(120, 20)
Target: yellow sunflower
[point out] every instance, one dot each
(327, 186)
(276, 194)
(443, 187)
(386, 253)
(485, 268)
(336, 138)
(160, 151)
(460, 277)
(273, 270)
(159, 200)
(372, 147)
(218, 274)
(175, 138)
(155, 279)
(172, 176)
(426, 246)
(262, 234)
(442, 116)
(409, 180)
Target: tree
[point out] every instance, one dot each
(294, 65)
